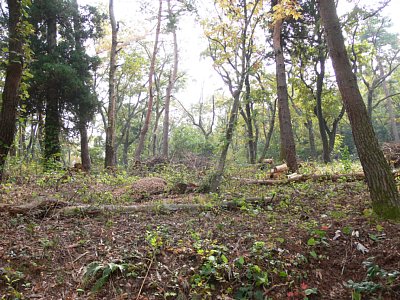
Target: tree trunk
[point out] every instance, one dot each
(288, 148)
(110, 160)
(381, 183)
(268, 135)
(171, 83)
(10, 100)
(247, 115)
(391, 112)
(321, 120)
(155, 128)
(85, 156)
(311, 138)
(217, 177)
(52, 126)
(126, 145)
(146, 124)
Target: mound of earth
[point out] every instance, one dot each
(149, 186)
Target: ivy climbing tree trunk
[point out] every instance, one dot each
(10, 97)
(145, 128)
(52, 125)
(381, 183)
(111, 113)
(288, 147)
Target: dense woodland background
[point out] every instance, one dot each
(91, 103)
(77, 67)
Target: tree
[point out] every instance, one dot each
(172, 78)
(308, 50)
(231, 38)
(381, 184)
(145, 127)
(61, 69)
(52, 126)
(288, 147)
(111, 113)
(375, 54)
(10, 96)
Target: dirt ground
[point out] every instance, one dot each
(308, 241)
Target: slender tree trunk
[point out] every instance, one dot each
(288, 148)
(247, 115)
(268, 135)
(217, 177)
(311, 138)
(126, 146)
(110, 160)
(155, 128)
(85, 156)
(10, 100)
(171, 83)
(52, 126)
(391, 112)
(370, 99)
(321, 120)
(146, 124)
(381, 183)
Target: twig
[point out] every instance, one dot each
(145, 277)
(80, 256)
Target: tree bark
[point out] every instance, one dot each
(110, 160)
(288, 148)
(381, 183)
(171, 84)
(85, 156)
(10, 100)
(146, 124)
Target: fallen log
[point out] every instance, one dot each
(50, 206)
(303, 177)
(34, 208)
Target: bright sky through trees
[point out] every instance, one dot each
(200, 74)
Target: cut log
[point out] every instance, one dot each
(280, 169)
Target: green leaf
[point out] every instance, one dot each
(311, 242)
(224, 259)
(314, 254)
(312, 291)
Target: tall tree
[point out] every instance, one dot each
(172, 78)
(308, 50)
(232, 47)
(10, 96)
(146, 124)
(111, 113)
(52, 126)
(384, 195)
(288, 147)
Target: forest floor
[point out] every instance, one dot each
(308, 240)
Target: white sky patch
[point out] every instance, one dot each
(199, 71)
